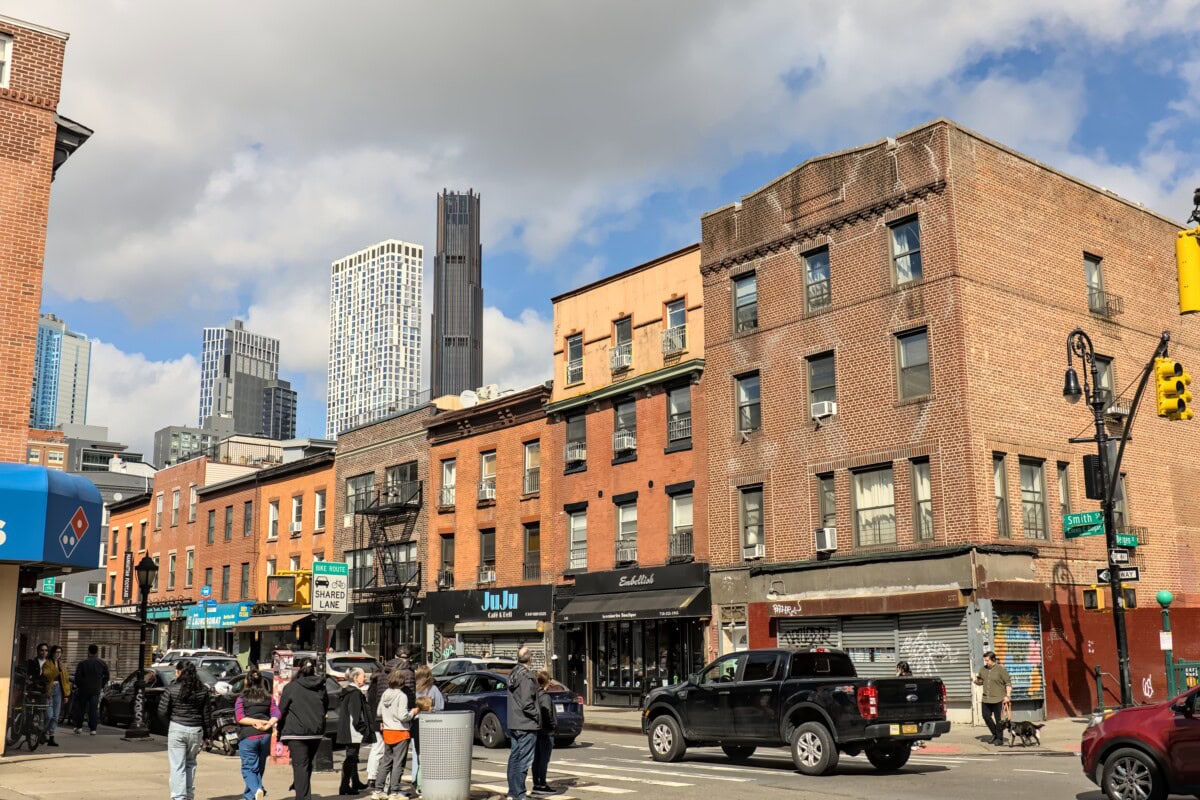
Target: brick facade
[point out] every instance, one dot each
(300, 480)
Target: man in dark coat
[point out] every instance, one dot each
(91, 676)
(356, 727)
(524, 720)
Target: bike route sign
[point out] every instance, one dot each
(330, 587)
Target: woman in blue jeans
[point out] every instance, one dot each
(256, 714)
(186, 708)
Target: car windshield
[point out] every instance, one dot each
(440, 668)
(343, 663)
(212, 670)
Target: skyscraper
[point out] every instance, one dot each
(62, 364)
(235, 369)
(374, 334)
(457, 328)
(279, 411)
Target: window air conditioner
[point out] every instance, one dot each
(826, 540)
(823, 409)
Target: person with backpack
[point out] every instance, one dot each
(256, 714)
(547, 725)
(355, 728)
(303, 704)
(186, 709)
(91, 676)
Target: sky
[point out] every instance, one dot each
(240, 148)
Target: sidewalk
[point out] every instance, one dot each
(1058, 736)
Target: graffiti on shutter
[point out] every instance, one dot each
(935, 645)
(1018, 647)
(871, 644)
(806, 633)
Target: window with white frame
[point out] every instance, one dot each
(906, 251)
(5, 60)
(189, 569)
(1033, 498)
(293, 562)
(751, 522)
(273, 519)
(627, 532)
(174, 508)
(1000, 490)
(158, 512)
(487, 475)
(297, 514)
(681, 543)
(749, 407)
(874, 507)
(577, 524)
(532, 481)
(319, 508)
(449, 478)
(575, 359)
(193, 500)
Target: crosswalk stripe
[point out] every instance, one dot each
(659, 771)
(503, 789)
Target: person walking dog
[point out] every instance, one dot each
(186, 710)
(355, 728)
(523, 723)
(257, 715)
(303, 705)
(997, 695)
(547, 725)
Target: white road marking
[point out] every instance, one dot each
(599, 789)
(1041, 771)
(659, 771)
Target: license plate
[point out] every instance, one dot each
(231, 737)
(908, 729)
(559, 708)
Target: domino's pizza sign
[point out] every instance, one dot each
(48, 517)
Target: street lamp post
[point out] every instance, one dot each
(146, 571)
(406, 604)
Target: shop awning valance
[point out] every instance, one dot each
(500, 626)
(690, 601)
(271, 622)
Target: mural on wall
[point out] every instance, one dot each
(1018, 647)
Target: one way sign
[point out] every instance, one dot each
(1124, 575)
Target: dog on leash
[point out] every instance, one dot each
(1027, 732)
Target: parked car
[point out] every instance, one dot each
(460, 665)
(117, 699)
(173, 655)
(812, 700)
(486, 694)
(1145, 752)
(212, 668)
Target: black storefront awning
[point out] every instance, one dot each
(691, 601)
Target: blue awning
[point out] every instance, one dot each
(49, 517)
(220, 615)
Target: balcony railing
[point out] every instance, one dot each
(575, 452)
(487, 489)
(399, 573)
(446, 497)
(578, 557)
(626, 551)
(487, 573)
(674, 340)
(574, 371)
(446, 578)
(679, 427)
(533, 569)
(533, 480)
(620, 357)
(395, 496)
(1105, 304)
(681, 543)
(624, 441)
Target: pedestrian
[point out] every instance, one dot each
(402, 663)
(303, 705)
(58, 691)
(997, 695)
(903, 670)
(91, 676)
(186, 710)
(547, 725)
(355, 728)
(426, 690)
(256, 714)
(394, 714)
(523, 723)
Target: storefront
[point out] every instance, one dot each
(258, 635)
(383, 625)
(636, 629)
(210, 624)
(496, 622)
(166, 621)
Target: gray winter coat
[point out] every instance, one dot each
(522, 701)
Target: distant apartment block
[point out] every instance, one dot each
(178, 443)
(61, 368)
(279, 411)
(236, 368)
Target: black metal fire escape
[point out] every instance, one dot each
(389, 520)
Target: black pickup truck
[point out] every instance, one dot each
(810, 700)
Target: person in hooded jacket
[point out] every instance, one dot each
(303, 704)
(394, 714)
(547, 725)
(356, 727)
(186, 709)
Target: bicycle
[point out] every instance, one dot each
(28, 721)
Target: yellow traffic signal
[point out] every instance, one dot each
(1187, 259)
(1174, 398)
(1093, 599)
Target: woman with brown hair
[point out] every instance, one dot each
(426, 688)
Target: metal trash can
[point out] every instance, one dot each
(447, 741)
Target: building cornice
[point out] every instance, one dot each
(695, 365)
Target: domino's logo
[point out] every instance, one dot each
(3, 535)
(74, 531)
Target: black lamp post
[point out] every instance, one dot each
(406, 604)
(146, 571)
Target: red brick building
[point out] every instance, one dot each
(888, 443)
(485, 528)
(624, 484)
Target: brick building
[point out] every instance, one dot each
(485, 528)
(888, 447)
(47, 449)
(625, 458)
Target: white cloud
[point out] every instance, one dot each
(135, 396)
(517, 353)
(299, 317)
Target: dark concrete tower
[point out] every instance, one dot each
(457, 329)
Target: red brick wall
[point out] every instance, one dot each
(310, 541)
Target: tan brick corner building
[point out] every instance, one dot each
(888, 457)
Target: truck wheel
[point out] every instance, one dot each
(889, 757)
(738, 752)
(1130, 774)
(666, 739)
(813, 750)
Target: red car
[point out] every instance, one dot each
(1145, 752)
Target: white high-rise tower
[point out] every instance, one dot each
(374, 334)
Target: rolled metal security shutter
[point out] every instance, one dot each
(803, 633)
(1018, 645)
(935, 645)
(871, 643)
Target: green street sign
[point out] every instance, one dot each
(91, 600)
(1127, 540)
(1085, 523)
(47, 585)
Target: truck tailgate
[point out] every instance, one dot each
(909, 699)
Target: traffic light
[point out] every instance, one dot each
(1187, 260)
(1174, 398)
(1093, 599)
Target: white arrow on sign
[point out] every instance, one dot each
(1118, 556)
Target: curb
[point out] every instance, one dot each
(611, 727)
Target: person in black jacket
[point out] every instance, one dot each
(303, 704)
(91, 676)
(355, 728)
(547, 725)
(186, 709)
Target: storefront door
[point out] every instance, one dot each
(575, 656)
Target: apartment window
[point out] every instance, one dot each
(679, 416)
(822, 387)
(681, 544)
(816, 280)
(189, 569)
(142, 535)
(906, 251)
(228, 523)
(225, 584)
(913, 355)
(112, 551)
(248, 518)
(874, 508)
(449, 478)
(273, 519)
(358, 492)
(319, 508)
(158, 509)
(271, 565)
(674, 337)
(922, 492)
(401, 482)
(447, 550)
(193, 500)
(129, 537)
(1033, 498)
(1064, 488)
(174, 508)
(245, 589)
(1104, 375)
(293, 562)
(575, 359)
(487, 475)
(35, 455)
(208, 577)
(626, 533)
(487, 551)
(533, 476)
(622, 352)
(5, 60)
(54, 457)
(1000, 482)
(212, 524)
(533, 551)
(748, 404)
(297, 515)
(154, 584)
(827, 501)
(112, 586)
(624, 428)
(1093, 275)
(577, 530)
(170, 573)
(576, 450)
(754, 544)
(745, 303)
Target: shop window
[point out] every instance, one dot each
(735, 635)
